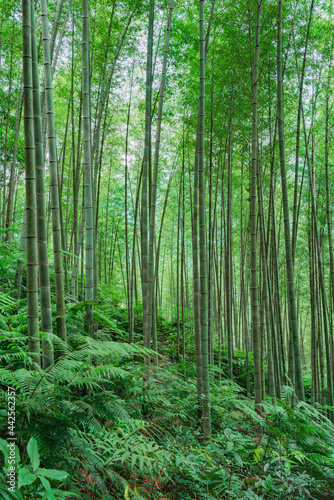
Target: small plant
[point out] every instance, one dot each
(33, 481)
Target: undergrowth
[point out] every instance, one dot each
(88, 428)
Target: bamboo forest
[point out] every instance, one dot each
(166, 249)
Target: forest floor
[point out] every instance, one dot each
(89, 428)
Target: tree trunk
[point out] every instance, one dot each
(87, 165)
(42, 244)
(145, 201)
(153, 194)
(54, 191)
(301, 85)
(202, 239)
(288, 252)
(253, 218)
(196, 304)
(228, 255)
(32, 270)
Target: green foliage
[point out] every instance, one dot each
(87, 427)
(31, 480)
(8, 258)
(65, 408)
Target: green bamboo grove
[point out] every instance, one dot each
(177, 159)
